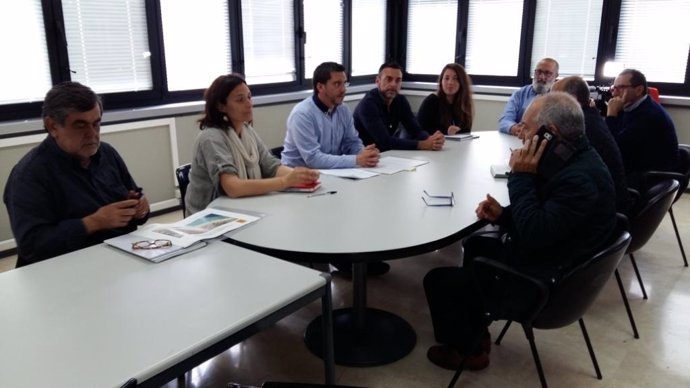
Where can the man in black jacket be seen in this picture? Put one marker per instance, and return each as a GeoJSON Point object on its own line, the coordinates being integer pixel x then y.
{"type": "Point", "coordinates": [381, 112]}
{"type": "Point", "coordinates": [643, 130]}
{"type": "Point", "coordinates": [599, 136]}
{"type": "Point", "coordinates": [560, 213]}
{"type": "Point", "coordinates": [72, 190]}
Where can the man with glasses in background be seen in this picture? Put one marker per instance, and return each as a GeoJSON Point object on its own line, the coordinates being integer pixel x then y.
{"type": "Point", "coordinates": [642, 128]}
{"type": "Point", "coordinates": [545, 75]}
{"type": "Point", "coordinates": [72, 190]}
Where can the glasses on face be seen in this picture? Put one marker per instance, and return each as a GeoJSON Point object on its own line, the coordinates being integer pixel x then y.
{"type": "Point", "coordinates": [545, 73]}
{"type": "Point", "coordinates": [151, 244]}
{"type": "Point", "coordinates": [620, 87]}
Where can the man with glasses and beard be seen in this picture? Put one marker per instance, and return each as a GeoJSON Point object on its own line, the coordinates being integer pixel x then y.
{"type": "Point", "coordinates": [545, 75]}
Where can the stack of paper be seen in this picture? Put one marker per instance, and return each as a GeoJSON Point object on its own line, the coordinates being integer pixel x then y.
{"type": "Point", "coordinates": [387, 165]}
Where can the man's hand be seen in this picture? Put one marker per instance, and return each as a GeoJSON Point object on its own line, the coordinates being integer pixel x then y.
{"type": "Point", "coordinates": [489, 209]}
{"type": "Point", "coordinates": [526, 159]}
{"type": "Point", "coordinates": [114, 215]}
{"type": "Point", "coordinates": [369, 156]}
{"type": "Point", "coordinates": [142, 208]}
{"type": "Point", "coordinates": [614, 106]}
{"type": "Point", "coordinates": [517, 129]}
{"type": "Point", "coordinates": [301, 176]}
{"type": "Point", "coordinates": [433, 143]}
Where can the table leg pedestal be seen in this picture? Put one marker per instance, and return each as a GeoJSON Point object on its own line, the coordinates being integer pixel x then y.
{"type": "Point", "coordinates": [383, 338]}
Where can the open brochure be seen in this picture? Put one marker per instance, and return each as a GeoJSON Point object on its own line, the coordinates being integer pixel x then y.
{"type": "Point", "coordinates": [182, 236]}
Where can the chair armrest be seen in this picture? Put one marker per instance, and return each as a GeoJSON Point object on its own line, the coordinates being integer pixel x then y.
{"type": "Point", "coordinates": [682, 179]}
{"type": "Point", "coordinates": [665, 174]}
{"type": "Point", "coordinates": [635, 199]}
{"type": "Point", "coordinates": [502, 271]}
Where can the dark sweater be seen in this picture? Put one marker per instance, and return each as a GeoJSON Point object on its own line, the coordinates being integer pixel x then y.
{"type": "Point", "coordinates": [646, 137]}
{"type": "Point", "coordinates": [377, 123]}
{"type": "Point", "coordinates": [603, 142]}
{"type": "Point", "coordinates": [552, 223]}
{"type": "Point", "coordinates": [430, 116]}
{"type": "Point", "coordinates": [48, 193]}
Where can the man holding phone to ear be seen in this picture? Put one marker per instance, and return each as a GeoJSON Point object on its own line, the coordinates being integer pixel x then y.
{"type": "Point", "coordinates": [72, 190]}
{"type": "Point", "coordinates": [561, 211]}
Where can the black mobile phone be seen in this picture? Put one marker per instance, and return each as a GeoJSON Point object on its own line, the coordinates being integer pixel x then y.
{"type": "Point", "coordinates": [556, 154]}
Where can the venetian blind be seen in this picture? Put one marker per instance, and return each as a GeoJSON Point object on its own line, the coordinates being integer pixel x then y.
{"type": "Point", "coordinates": [431, 32]}
{"type": "Point", "coordinates": [368, 36]}
{"type": "Point", "coordinates": [323, 23]}
{"type": "Point", "coordinates": [568, 31]}
{"type": "Point", "coordinates": [493, 37]}
{"type": "Point", "coordinates": [654, 37]}
{"type": "Point", "coordinates": [196, 36]}
{"type": "Point", "coordinates": [269, 41]}
{"type": "Point", "coordinates": [25, 68]}
{"type": "Point", "coordinates": [107, 44]}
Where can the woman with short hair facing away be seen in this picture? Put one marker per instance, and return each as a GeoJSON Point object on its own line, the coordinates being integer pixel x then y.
{"type": "Point", "coordinates": [450, 109]}
{"type": "Point", "coordinates": [229, 157]}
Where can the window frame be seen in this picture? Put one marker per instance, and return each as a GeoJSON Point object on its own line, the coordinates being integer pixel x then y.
{"type": "Point", "coordinates": [395, 49]}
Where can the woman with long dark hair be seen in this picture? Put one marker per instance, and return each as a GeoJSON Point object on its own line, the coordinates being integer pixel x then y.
{"type": "Point", "coordinates": [450, 109]}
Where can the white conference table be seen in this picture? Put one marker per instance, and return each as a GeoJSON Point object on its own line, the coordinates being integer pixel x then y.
{"type": "Point", "coordinates": [99, 317]}
{"type": "Point", "coordinates": [378, 218]}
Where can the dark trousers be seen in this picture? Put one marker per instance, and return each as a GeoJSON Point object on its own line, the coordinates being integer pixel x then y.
{"type": "Point", "coordinates": [463, 302]}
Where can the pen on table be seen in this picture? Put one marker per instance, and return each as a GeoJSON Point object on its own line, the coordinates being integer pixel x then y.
{"type": "Point", "coordinates": [320, 194]}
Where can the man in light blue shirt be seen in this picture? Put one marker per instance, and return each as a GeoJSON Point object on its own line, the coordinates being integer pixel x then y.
{"type": "Point", "coordinates": [545, 75]}
{"type": "Point", "coordinates": [320, 129]}
{"type": "Point", "coordinates": [321, 134]}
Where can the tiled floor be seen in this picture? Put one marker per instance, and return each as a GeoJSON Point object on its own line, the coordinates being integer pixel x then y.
{"type": "Point", "coordinates": [660, 358]}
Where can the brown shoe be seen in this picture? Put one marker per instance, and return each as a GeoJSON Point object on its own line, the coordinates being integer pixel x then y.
{"type": "Point", "coordinates": [447, 357]}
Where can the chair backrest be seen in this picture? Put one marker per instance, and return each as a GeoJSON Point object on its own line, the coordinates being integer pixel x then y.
{"type": "Point", "coordinates": [182, 174]}
{"type": "Point", "coordinates": [683, 167]}
{"type": "Point", "coordinates": [571, 296]}
{"type": "Point", "coordinates": [276, 151]}
{"type": "Point", "coordinates": [654, 94]}
{"type": "Point", "coordinates": [655, 204]}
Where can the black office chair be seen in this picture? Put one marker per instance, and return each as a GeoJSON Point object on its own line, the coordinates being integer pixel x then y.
{"type": "Point", "coordinates": [656, 202]}
{"type": "Point", "coordinates": [563, 302]}
{"type": "Point", "coordinates": [182, 174]}
{"type": "Point", "coordinates": [276, 151]}
{"type": "Point", "coordinates": [683, 177]}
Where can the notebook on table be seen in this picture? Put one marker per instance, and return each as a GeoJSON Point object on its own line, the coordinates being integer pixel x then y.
{"type": "Point", "coordinates": [304, 188]}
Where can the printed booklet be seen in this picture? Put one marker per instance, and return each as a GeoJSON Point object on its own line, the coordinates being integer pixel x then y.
{"type": "Point", "coordinates": [158, 242]}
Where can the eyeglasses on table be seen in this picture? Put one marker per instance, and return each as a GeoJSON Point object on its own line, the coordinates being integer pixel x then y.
{"type": "Point", "coordinates": [151, 244]}
{"type": "Point", "coordinates": [438, 200]}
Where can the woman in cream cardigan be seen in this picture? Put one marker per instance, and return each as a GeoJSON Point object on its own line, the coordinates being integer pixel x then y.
{"type": "Point", "coordinates": [229, 157]}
